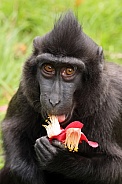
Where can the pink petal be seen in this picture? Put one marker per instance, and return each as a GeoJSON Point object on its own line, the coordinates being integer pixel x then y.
{"type": "Point", "coordinates": [75, 124]}
{"type": "Point", "coordinates": [93, 144]}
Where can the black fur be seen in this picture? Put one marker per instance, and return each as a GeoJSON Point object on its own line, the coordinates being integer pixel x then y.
{"type": "Point", "coordinates": [98, 104]}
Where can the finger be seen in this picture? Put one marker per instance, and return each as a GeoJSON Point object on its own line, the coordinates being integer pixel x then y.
{"type": "Point", "coordinates": [58, 144]}
{"type": "Point", "coordinates": [40, 156]}
{"type": "Point", "coordinates": [42, 148]}
{"type": "Point", "coordinates": [44, 144]}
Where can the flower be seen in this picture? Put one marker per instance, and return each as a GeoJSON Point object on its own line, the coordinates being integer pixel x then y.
{"type": "Point", "coordinates": [53, 127]}
{"type": "Point", "coordinates": [71, 136]}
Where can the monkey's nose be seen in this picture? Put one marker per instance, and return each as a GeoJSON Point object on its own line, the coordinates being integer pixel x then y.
{"type": "Point", "coordinates": [54, 102]}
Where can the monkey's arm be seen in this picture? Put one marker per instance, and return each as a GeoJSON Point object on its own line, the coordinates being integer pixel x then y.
{"type": "Point", "coordinates": [78, 167]}
{"type": "Point", "coordinates": [19, 139]}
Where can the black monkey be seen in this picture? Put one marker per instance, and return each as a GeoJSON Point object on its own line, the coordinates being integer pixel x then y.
{"type": "Point", "coordinates": [67, 76]}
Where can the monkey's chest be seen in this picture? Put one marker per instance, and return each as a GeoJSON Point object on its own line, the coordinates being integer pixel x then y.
{"type": "Point", "coordinates": [59, 178]}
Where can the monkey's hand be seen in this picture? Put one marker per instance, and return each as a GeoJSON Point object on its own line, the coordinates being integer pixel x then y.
{"type": "Point", "coordinates": [48, 152]}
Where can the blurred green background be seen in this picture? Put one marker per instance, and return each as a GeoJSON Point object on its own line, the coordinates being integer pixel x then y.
{"type": "Point", "coordinates": [21, 21]}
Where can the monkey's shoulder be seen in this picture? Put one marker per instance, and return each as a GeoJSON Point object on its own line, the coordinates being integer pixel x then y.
{"type": "Point", "coordinates": [114, 71]}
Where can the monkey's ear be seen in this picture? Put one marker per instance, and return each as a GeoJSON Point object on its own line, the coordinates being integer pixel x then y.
{"type": "Point", "coordinates": [37, 43]}
{"type": "Point", "coordinates": [100, 56]}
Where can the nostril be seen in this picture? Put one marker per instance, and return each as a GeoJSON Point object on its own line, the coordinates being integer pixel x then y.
{"type": "Point", "coordinates": [54, 102]}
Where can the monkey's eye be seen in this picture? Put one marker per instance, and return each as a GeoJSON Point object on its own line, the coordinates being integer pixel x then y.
{"type": "Point", "coordinates": [68, 72]}
{"type": "Point", "coordinates": [48, 69]}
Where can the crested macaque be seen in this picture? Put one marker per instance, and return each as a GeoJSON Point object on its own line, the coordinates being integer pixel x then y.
{"type": "Point", "coordinates": [66, 76]}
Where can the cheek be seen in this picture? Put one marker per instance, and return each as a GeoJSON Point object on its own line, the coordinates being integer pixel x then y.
{"type": "Point", "coordinates": [44, 98]}
{"type": "Point", "coordinates": [68, 100]}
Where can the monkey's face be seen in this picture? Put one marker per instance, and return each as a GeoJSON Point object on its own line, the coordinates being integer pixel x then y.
{"type": "Point", "coordinates": [58, 83]}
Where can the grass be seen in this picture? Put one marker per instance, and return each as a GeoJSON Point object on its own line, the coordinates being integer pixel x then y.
{"type": "Point", "coordinates": [21, 21]}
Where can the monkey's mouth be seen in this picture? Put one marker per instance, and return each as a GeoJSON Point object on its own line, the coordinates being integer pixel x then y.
{"type": "Point", "coordinates": [63, 119]}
